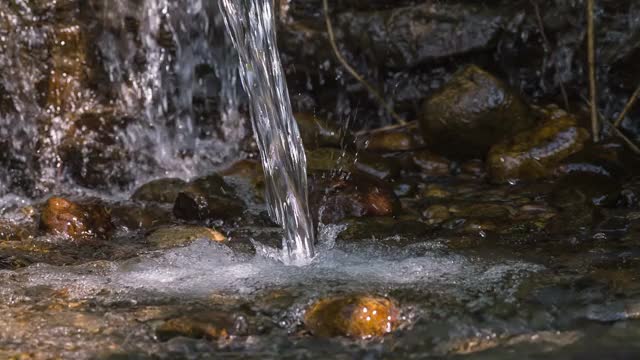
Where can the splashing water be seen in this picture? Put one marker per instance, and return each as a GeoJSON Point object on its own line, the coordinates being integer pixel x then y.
{"type": "Point", "coordinates": [169, 66]}
{"type": "Point", "coordinates": [252, 28]}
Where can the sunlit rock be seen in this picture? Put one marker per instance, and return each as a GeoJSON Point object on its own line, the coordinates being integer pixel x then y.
{"type": "Point", "coordinates": [473, 111]}
{"type": "Point", "coordinates": [535, 153]}
{"type": "Point", "coordinates": [74, 220]}
{"type": "Point", "coordinates": [353, 316]}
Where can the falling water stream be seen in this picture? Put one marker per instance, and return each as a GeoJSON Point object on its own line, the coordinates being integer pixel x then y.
{"type": "Point", "coordinates": [252, 27]}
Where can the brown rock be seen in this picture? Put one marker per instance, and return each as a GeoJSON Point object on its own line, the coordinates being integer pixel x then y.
{"type": "Point", "coordinates": [76, 221]}
{"type": "Point", "coordinates": [175, 236]}
{"type": "Point", "coordinates": [431, 164]}
{"type": "Point", "coordinates": [93, 153]}
{"type": "Point", "coordinates": [316, 132]}
{"type": "Point", "coordinates": [472, 112]}
{"type": "Point", "coordinates": [207, 198]}
{"type": "Point", "coordinates": [535, 153]}
{"type": "Point", "coordinates": [336, 196]}
{"type": "Point", "coordinates": [163, 191]}
{"type": "Point", "coordinates": [353, 316]}
{"type": "Point", "coordinates": [205, 325]}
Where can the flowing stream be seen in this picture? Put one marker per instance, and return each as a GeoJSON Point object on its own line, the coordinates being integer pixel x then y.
{"type": "Point", "coordinates": [252, 27]}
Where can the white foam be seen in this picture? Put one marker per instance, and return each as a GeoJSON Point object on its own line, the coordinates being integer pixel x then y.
{"type": "Point", "coordinates": [204, 268]}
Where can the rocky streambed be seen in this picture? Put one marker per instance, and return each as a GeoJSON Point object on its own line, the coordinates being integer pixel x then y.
{"type": "Point", "coordinates": [488, 227]}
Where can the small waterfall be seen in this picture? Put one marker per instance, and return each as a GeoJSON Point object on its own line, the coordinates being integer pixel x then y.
{"type": "Point", "coordinates": [167, 65]}
{"type": "Point", "coordinates": [251, 24]}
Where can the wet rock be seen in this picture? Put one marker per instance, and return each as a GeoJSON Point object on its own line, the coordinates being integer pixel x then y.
{"type": "Point", "coordinates": [68, 68]}
{"type": "Point", "coordinates": [472, 112]}
{"type": "Point", "coordinates": [535, 153]}
{"type": "Point", "coordinates": [431, 164]}
{"type": "Point", "coordinates": [337, 196]}
{"type": "Point", "coordinates": [10, 231]}
{"type": "Point", "coordinates": [205, 325]}
{"type": "Point", "coordinates": [577, 189]}
{"type": "Point", "coordinates": [175, 236]}
{"type": "Point", "coordinates": [608, 158]}
{"type": "Point", "coordinates": [399, 232]}
{"type": "Point", "coordinates": [134, 217]}
{"type": "Point", "coordinates": [74, 220]}
{"type": "Point", "coordinates": [248, 172]}
{"type": "Point", "coordinates": [328, 159]}
{"type": "Point", "coordinates": [435, 191]}
{"type": "Point", "coordinates": [390, 140]}
{"type": "Point", "coordinates": [353, 316]}
{"type": "Point", "coordinates": [473, 169]}
{"type": "Point", "coordinates": [207, 198]}
{"type": "Point", "coordinates": [164, 191]}
{"type": "Point", "coordinates": [412, 35]}
{"type": "Point", "coordinates": [317, 132]}
{"type": "Point", "coordinates": [436, 214]}
{"type": "Point", "coordinates": [93, 153]}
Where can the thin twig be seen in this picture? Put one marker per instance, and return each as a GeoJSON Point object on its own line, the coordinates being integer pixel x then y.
{"type": "Point", "coordinates": [547, 48]}
{"type": "Point", "coordinates": [622, 136]}
{"type": "Point", "coordinates": [593, 91]}
{"type": "Point", "coordinates": [627, 108]}
{"type": "Point", "coordinates": [352, 71]}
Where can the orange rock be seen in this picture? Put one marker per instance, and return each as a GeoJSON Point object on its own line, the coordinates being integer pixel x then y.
{"type": "Point", "coordinates": [63, 217]}
{"type": "Point", "coordinates": [353, 316]}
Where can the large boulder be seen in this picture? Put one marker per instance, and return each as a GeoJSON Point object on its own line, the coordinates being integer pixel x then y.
{"type": "Point", "coordinates": [472, 112]}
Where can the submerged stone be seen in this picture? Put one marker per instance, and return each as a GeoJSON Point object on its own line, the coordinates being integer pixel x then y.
{"type": "Point", "coordinates": [353, 316]}
{"type": "Point", "coordinates": [170, 237]}
{"type": "Point", "coordinates": [163, 191]}
{"type": "Point", "coordinates": [76, 221]}
{"type": "Point", "coordinates": [204, 325]}
{"type": "Point", "coordinates": [337, 196]}
{"type": "Point", "coordinates": [472, 112]}
{"type": "Point", "coordinates": [535, 153]}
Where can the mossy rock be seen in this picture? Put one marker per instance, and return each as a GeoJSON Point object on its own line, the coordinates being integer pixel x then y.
{"type": "Point", "coordinates": [472, 112]}
{"type": "Point", "coordinates": [535, 153]}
